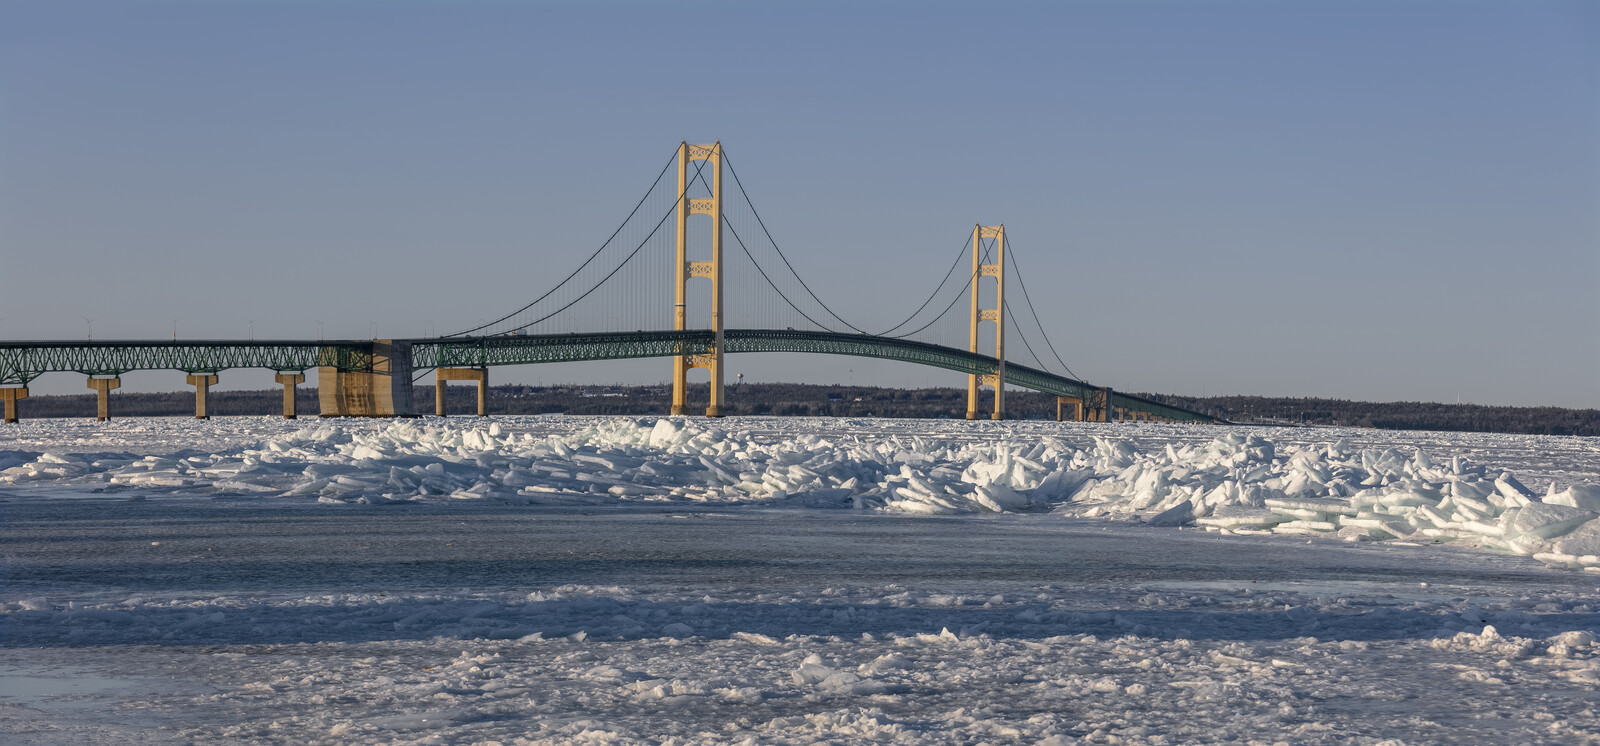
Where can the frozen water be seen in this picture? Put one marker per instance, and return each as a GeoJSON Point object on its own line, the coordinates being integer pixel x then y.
{"type": "Point", "coordinates": [558, 580]}
{"type": "Point", "coordinates": [1347, 484]}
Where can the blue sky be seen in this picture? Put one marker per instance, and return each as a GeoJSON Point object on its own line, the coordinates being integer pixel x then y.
{"type": "Point", "coordinates": [1382, 201]}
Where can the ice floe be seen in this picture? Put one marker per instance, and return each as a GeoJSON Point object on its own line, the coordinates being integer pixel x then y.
{"type": "Point", "coordinates": [1236, 482]}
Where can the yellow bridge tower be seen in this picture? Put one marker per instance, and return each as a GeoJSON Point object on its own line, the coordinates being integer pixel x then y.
{"type": "Point", "coordinates": [997, 270]}
{"type": "Point", "coordinates": [684, 270]}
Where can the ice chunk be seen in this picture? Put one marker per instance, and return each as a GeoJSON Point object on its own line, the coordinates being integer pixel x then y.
{"type": "Point", "coordinates": [1309, 508]}
{"type": "Point", "coordinates": [1579, 639]}
{"type": "Point", "coordinates": [1508, 486]}
{"type": "Point", "coordinates": [1410, 499]}
{"type": "Point", "coordinates": [1585, 496]}
{"type": "Point", "coordinates": [999, 498]}
{"type": "Point", "coordinates": [811, 671]}
{"type": "Point", "coordinates": [1581, 541]}
{"type": "Point", "coordinates": [1391, 526]}
{"type": "Point", "coordinates": [1309, 525]}
{"type": "Point", "coordinates": [887, 662]}
{"type": "Point", "coordinates": [1241, 517]}
{"type": "Point", "coordinates": [1176, 515]}
{"type": "Point", "coordinates": [1544, 521]}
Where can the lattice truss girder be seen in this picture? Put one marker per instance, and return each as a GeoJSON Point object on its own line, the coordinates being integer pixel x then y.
{"type": "Point", "coordinates": [468, 352]}
{"type": "Point", "coordinates": [21, 362]}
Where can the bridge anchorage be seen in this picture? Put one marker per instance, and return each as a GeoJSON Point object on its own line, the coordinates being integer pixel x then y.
{"type": "Point", "coordinates": [640, 278]}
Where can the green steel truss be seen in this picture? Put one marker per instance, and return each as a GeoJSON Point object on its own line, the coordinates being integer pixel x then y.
{"type": "Point", "coordinates": [477, 352]}
{"type": "Point", "coordinates": [21, 362]}
{"type": "Point", "coordinates": [922, 353]}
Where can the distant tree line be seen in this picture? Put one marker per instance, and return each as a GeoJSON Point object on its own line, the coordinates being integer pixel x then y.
{"type": "Point", "coordinates": [1403, 415]}
{"type": "Point", "coordinates": [815, 400]}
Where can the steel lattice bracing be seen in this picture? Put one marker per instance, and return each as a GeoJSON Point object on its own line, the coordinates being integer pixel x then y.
{"type": "Point", "coordinates": [479, 352]}
{"type": "Point", "coordinates": [467, 352]}
{"type": "Point", "coordinates": [21, 362]}
{"type": "Point", "coordinates": [938, 356]}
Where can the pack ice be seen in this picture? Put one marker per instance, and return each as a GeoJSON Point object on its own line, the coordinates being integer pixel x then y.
{"type": "Point", "coordinates": [1237, 483]}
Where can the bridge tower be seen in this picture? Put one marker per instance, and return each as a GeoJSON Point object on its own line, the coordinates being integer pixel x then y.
{"type": "Point", "coordinates": [684, 270]}
{"type": "Point", "coordinates": [997, 270]}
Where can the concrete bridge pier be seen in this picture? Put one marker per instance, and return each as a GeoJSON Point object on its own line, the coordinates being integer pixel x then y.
{"type": "Point", "coordinates": [202, 385]}
{"type": "Point", "coordinates": [481, 375]}
{"type": "Point", "coordinates": [289, 381]}
{"type": "Point", "coordinates": [10, 396]}
{"type": "Point", "coordinates": [1074, 404]}
{"type": "Point", "coordinates": [102, 388]}
{"type": "Point", "coordinates": [384, 391]}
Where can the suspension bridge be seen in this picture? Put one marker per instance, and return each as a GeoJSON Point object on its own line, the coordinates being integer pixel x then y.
{"type": "Point", "coordinates": [696, 275]}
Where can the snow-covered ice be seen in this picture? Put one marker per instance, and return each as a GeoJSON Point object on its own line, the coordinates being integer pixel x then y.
{"type": "Point", "coordinates": [1229, 480]}
{"type": "Point", "coordinates": [558, 580]}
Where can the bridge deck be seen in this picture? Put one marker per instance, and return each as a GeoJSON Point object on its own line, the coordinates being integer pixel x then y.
{"type": "Point", "coordinates": [22, 361]}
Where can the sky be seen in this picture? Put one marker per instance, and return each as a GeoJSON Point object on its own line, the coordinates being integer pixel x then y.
{"type": "Point", "coordinates": [1363, 200]}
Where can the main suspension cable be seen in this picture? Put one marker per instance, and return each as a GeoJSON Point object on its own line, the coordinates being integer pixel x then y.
{"type": "Point", "coordinates": [729, 223]}
{"type": "Point", "coordinates": [1024, 338]}
{"type": "Point", "coordinates": [764, 276]}
{"type": "Point", "coordinates": [936, 289]}
{"type": "Point", "coordinates": [586, 262]}
{"type": "Point", "coordinates": [619, 266]}
{"type": "Point", "coordinates": [971, 284]}
{"type": "Point", "coordinates": [775, 247]}
{"type": "Point", "coordinates": [1024, 285]}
